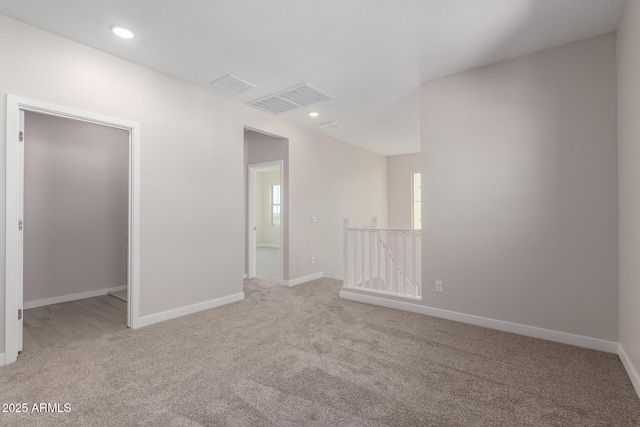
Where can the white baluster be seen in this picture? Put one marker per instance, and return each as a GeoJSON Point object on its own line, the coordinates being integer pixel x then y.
{"type": "Point", "coordinates": [378, 266]}
{"type": "Point", "coordinates": [362, 257]}
{"type": "Point", "coordinates": [402, 264]}
{"type": "Point", "coordinates": [384, 260]}
{"type": "Point", "coordinates": [415, 266]}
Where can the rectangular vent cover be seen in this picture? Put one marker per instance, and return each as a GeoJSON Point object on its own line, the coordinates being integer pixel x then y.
{"type": "Point", "coordinates": [298, 96]}
{"type": "Point", "coordinates": [330, 126]}
{"type": "Point", "coordinates": [233, 85]}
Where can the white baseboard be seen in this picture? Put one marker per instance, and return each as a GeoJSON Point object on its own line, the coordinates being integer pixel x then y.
{"type": "Point", "coordinates": [267, 245]}
{"type": "Point", "coordinates": [190, 309]}
{"type": "Point", "coordinates": [303, 279]}
{"type": "Point", "coordinates": [71, 297]}
{"type": "Point", "coordinates": [516, 328]}
{"type": "Point", "coordinates": [631, 370]}
{"type": "Point", "coordinates": [3, 359]}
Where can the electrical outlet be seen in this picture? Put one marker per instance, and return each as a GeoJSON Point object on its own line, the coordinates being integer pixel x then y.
{"type": "Point", "coordinates": [314, 218]}
{"type": "Point", "coordinates": [313, 260]}
{"type": "Point", "coordinates": [439, 286]}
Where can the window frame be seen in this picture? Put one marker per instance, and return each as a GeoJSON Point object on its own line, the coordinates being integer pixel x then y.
{"type": "Point", "coordinates": [279, 205]}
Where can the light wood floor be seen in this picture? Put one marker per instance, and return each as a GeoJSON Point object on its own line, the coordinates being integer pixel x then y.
{"type": "Point", "coordinates": [59, 324]}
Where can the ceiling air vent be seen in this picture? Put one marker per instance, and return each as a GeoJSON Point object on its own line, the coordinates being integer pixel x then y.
{"type": "Point", "coordinates": [329, 127]}
{"type": "Point", "coordinates": [233, 85]}
{"type": "Point", "coordinates": [298, 96]}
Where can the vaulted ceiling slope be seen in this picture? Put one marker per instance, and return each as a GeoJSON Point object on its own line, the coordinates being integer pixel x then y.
{"type": "Point", "coordinates": [369, 55]}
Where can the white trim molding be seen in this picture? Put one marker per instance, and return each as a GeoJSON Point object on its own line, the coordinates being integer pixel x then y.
{"type": "Point", "coordinates": [71, 297]}
{"type": "Point", "coordinates": [515, 328]}
{"type": "Point", "coordinates": [267, 245]}
{"type": "Point", "coordinates": [3, 360]}
{"type": "Point", "coordinates": [189, 309]}
{"type": "Point", "coordinates": [245, 276]}
{"type": "Point", "coordinates": [631, 370]}
{"type": "Point", "coordinates": [301, 280]}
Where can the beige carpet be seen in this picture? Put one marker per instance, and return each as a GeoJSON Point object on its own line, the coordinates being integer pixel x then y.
{"type": "Point", "coordinates": [302, 357]}
{"type": "Point", "coordinates": [268, 264]}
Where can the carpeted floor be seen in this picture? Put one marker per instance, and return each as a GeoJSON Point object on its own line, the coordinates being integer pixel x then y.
{"type": "Point", "coordinates": [302, 357]}
{"type": "Point", "coordinates": [268, 264]}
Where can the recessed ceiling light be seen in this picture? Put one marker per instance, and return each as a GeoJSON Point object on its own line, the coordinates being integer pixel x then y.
{"type": "Point", "coordinates": [122, 32]}
{"type": "Point", "coordinates": [313, 114]}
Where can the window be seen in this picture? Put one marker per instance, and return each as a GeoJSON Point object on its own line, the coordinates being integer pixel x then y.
{"type": "Point", "coordinates": [416, 201]}
{"type": "Point", "coordinates": [275, 204]}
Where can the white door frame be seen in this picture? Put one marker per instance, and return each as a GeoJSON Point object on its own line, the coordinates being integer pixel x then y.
{"type": "Point", "coordinates": [14, 203]}
{"type": "Point", "coordinates": [251, 229]}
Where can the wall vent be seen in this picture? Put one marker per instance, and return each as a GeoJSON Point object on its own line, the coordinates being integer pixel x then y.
{"type": "Point", "coordinates": [233, 85]}
{"type": "Point", "coordinates": [329, 127]}
{"type": "Point", "coordinates": [298, 96]}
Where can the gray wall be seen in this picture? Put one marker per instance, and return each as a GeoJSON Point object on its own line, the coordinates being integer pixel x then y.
{"type": "Point", "coordinates": [399, 171]}
{"type": "Point", "coordinates": [75, 207]}
{"type": "Point", "coordinates": [192, 204]}
{"type": "Point", "coordinates": [629, 182]}
{"type": "Point", "coordinates": [520, 190]}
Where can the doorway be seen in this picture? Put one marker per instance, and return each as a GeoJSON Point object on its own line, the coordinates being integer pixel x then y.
{"type": "Point", "coordinates": [48, 257]}
{"type": "Point", "coordinates": [265, 220]}
{"type": "Point", "coordinates": [75, 203]}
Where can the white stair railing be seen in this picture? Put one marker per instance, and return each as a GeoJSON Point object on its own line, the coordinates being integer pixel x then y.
{"type": "Point", "coordinates": [383, 261]}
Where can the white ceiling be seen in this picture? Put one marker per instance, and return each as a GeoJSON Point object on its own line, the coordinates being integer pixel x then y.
{"type": "Point", "coordinates": [369, 55]}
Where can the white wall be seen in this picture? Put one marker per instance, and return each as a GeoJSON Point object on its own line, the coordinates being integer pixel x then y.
{"type": "Point", "coordinates": [629, 183]}
{"type": "Point", "coordinates": [331, 181]}
{"type": "Point", "coordinates": [192, 174]}
{"type": "Point", "coordinates": [75, 207]}
{"type": "Point", "coordinates": [399, 172]}
{"type": "Point", "coordinates": [520, 190]}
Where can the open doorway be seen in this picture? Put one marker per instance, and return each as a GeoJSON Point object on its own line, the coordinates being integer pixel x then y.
{"type": "Point", "coordinates": [72, 225]}
{"type": "Point", "coordinates": [266, 160]}
{"type": "Point", "coordinates": [75, 210]}
{"type": "Point", "coordinates": [265, 221]}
